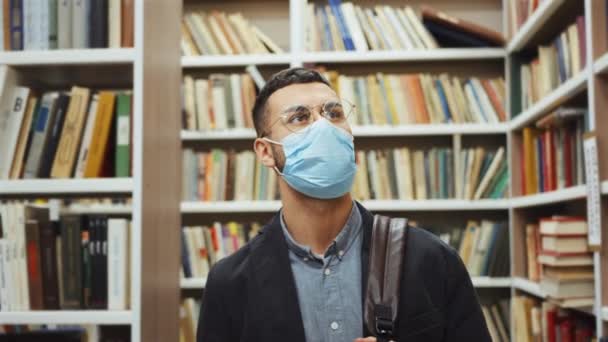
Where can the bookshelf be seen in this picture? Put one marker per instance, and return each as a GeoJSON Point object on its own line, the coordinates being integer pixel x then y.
{"type": "Point", "coordinates": [543, 15]}
{"type": "Point", "coordinates": [151, 68]}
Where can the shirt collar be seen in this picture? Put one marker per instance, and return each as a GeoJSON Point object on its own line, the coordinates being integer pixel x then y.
{"type": "Point", "coordinates": [339, 246]}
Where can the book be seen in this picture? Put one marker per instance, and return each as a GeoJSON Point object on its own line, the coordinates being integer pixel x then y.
{"type": "Point", "coordinates": [491, 38]}
{"type": "Point", "coordinates": [118, 249]}
{"type": "Point", "coordinates": [123, 132]}
{"type": "Point", "coordinates": [10, 126]}
{"type": "Point", "coordinates": [563, 225]}
{"type": "Point", "coordinates": [564, 244]}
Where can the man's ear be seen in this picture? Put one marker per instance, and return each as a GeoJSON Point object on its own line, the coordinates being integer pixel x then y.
{"type": "Point", "coordinates": [263, 150]}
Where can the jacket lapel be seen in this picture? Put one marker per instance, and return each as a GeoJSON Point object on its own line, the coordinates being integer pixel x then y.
{"type": "Point", "coordinates": [276, 298]}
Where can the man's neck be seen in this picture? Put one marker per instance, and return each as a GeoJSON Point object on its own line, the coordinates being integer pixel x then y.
{"type": "Point", "coordinates": [314, 222]}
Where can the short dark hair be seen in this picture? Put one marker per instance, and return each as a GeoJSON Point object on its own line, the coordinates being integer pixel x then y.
{"type": "Point", "coordinates": [280, 80]}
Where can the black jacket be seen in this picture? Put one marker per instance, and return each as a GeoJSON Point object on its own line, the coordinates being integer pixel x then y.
{"type": "Point", "coordinates": [251, 295]}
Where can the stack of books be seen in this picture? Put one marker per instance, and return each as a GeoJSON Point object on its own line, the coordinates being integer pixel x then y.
{"type": "Point", "coordinates": [222, 101]}
{"type": "Point", "coordinates": [188, 319]}
{"type": "Point", "coordinates": [219, 33]}
{"type": "Point", "coordinates": [482, 246]}
{"type": "Point", "coordinates": [543, 321]}
{"type": "Point", "coordinates": [58, 134]}
{"type": "Point", "coordinates": [400, 99]}
{"type": "Point", "coordinates": [342, 26]}
{"type": "Point", "coordinates": [77, 24]}
{"type": "Point", "coordinates": [497, 316]}
{"type": "Point", "coordinates": [203, 246]}
{"type": "Point", "coordinates": [552, 152]}
{"type": "Point", "coordinates": [78, 262]}
{"type": "Point", "coordinates": [555, 64]}
{"type": "Point", "coordinates": [438, 173]}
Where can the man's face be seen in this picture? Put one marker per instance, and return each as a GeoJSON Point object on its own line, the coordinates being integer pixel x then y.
{"type": "Point", "coordinates": [284, 100]}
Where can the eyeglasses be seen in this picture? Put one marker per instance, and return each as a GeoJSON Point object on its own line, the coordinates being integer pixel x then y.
{"type": "Point", "coordinates": [298, 118]}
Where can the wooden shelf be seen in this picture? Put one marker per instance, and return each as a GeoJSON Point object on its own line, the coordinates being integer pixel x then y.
{"type": "Point", "coordinates": [193, 283]}
{"type": "Point", "coordinates": [193, 207]}
{"type": "Point", "coordinates": [533, 24]}
{"type": "Point", "coordinates": [601, 65]}
{"type": "Point", "coordinates": [66, 186]}
{"type": "Point", "coordinates": [565, 91]}
{"type": "Point", "coordinates": [404, 55]}
{"type": "Point", "coordinates": [68, 57]}
{"type": "Point", "coordinates": [362, 131]}
{"type": "Point", "coordinates": [528, 286]}
{"type": "Point", "coordinates": [102, 317]}
{"type": "Point", "coordinates": [235, 60]}
{"type": "Point", "coordinates": [562, 195]}
{"type": "Point", "coordinates": [487, 282]}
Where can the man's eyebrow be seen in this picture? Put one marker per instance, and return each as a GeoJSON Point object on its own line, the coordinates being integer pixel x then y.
{"type": "Point", "coordinates": [294, 108]}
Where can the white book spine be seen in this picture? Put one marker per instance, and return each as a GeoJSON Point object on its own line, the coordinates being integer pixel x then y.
{"type": "Point", "coordinates": [114, 22]}
{"type": "Point", "coordinates": [237, 101]}
{"type": "Point", "coordinates": [4, 269]}
{"type": "Point", "coordinates": [86, 138]}
{"type": "Point", "coordinates": [410, 30]}
{"type": "Point", "coordinates": [43, 17]}
{"type": "Point", "coordinates": [491, 173]}
{"type": "Point", "coordinates": [201, 89]}
{"type": "Point", "coordinates": [10, 133]}
{"type": "Point", "coordinates": [118, 231]}
{"type": "Point", "coordinates": [64, 24]}
{"type": "Point", "coordinates": [475, 109]}
{"type": "Point", "coordinates": [79, 24]}
{"type": "Point", "coordinates": [356, 33]}
{"type": "Point", "coordinates": [401, 33]}
{"type": "Point", "coordinates": [219, 107]}
{"type": "Point", "coordinates": [485, 101]}
{"type": "Point", "coordinates": [426, 37]}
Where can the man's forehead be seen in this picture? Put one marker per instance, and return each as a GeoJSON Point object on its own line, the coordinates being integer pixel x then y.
{"type": "Point", "coordinates": [310, 94]}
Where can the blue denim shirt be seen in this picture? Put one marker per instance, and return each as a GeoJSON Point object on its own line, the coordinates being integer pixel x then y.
{"type": "Point", "coordinates": [329, 285]}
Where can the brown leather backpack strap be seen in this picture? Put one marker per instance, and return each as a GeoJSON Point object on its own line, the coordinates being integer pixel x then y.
{"type": "Point", "coordinates": [387, 254]}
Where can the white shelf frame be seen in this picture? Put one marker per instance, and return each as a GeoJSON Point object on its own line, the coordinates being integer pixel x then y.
{"type": "Point", "coordinates": [66, 186]}
{"type": "Point", "coordinates": [572, 87]}
{"type": "Point", "coordinates": [529, 287]}
{"type": "Point", "coordinates": [104, 209]}
{"type": "Point", "coordinates": [534, 22]}
{"type": "Point", "coordinates": [213, 61]}
{"type": "Point", "coordinates": [101, 317]}
{"type": "Point", "coordinates": [362, 131]}
{"type": "Point", "coordinates": [68, 57]}
{"type": "Point", "coordinates": [550, 197]}
{"type": "Point", "coordinates": [442, 54]}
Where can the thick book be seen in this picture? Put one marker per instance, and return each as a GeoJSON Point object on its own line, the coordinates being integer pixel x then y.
{"type": "Point", "coordinates": [118, 263]}
{"type": "Point", "coordinates": [58, 115]}
{"type": "Point", "coordinates": [127, 23]}
{"type": "Point", "coordinates": [101, 134]}
{"type": "Point", "coordinates": [80, 24]}
{"type": "Point", "coordinates": [65, 157]}
{"type": "Point", "coordinates": [41, 127]}
{"type": "Point", "coordinates": [24, 137]}
{"type": "Point", "coordinates": [32, 245]}
{"type": "Point", "coordinates": [50, 273]}
{"type": "Point", "coordinates": [123, 130]}
{"type": "Point", "coordinates": [72, 262]}
{"type": "Point", "coordinates": [98, 23]}
{"type": "Point", "coordinates": [446, 37]}
{"type": "Point", "coordinates": [563, 225]}
{"type": "Point", "coordinates": [64, 24]}
{"type": "Point", "coordinates": [492, 38]}
{"type": "Point", "coordinates": [16, 25]}
{"type": "Point", "coordinates": [10, 125]}
{"type": "Point", "coordinates": [343, 28]}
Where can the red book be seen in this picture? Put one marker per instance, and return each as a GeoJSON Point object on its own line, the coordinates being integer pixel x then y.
{"type": "Point", "coordinates": [32, 243]}
{"type": "Point", "coordinates": [580, 24]}
{"type": "Point", "coordinates": [550, 160]}
{"type": "Point", "coordinates": [494, 99]}
{"type": "Point", "coordinates": [566, 328]}
{"type": "Point", "coordinates": [551, 322]}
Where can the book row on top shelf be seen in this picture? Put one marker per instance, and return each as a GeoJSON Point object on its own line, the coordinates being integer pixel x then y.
{"type": "Point", "coordinates": [65, 24]}
{"type": "Point", "coordinates": [329, 26]}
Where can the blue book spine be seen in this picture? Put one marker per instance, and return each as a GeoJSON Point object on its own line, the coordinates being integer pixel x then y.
{"type": "Point", "coordinates": [346, 37]}
{"type": "Point", "coordinates": [185, 257]}
{"type": "Point", "coordinates": [16, 24]}
{"type": "Point", "coordinates": [330, 43]}
{"type": "Point", "coordinates": [387, 108]}
{"type": "Point", "coordinates": [561, 61]}
{"type": "Point", "coordinates": [444, 101]}
{"type": "Point", "coordinates": [493, 242]}
{"type": "Point", "coordinates": [477, 101]}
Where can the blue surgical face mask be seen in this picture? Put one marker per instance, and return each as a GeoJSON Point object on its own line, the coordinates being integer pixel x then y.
{"type": "Point", "coordinates": [319, 163]}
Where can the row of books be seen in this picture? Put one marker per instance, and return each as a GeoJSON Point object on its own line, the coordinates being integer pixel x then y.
{"type": "Point", "coordinates": [520, 11]}
{"type": "Point", "coordinates": [398, 99]}
{"type": "Point", "coordinates": [225, 175]}
{"type": "Point", "coordinates": [222, 101]}
{"type": "Point", "coordinates": [536, 320]}
{"type": "Point", "coordinates": [557, 255]}
{"type": "Point", "coordinates": [437, 173]}
{"type": "Point", "coordinates": [220, 33]}
{"type": "Point", "coordinates": [482, 246]}
{"type": "Point", "coordinates": [203, 246]}
{"type": "Point", "coordinates": [65, 333]}
{"type": "Point", "coordinates": [497, 315]}
{"type": "Point", "coordinates": [188, 319]}
{"type": "Point", "coordinates": [343, 26]}
{"type": "Point", "coordinates": [80, 133]}
{"type": "Point", "coordinates": [76, 262]}
{"type": "Point", "coordinates": [552, 152]}
{"type": "Point", "coordinates": [555, 64]}
{"type": "Point", "coordinates": [66, 24]}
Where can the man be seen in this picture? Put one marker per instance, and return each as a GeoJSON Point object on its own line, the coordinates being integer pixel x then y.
{"type": "Point", "coordinates": [303, 277]}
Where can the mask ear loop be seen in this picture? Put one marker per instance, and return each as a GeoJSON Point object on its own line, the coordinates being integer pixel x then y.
{"type": "Point", "coordinates": [276, 143]}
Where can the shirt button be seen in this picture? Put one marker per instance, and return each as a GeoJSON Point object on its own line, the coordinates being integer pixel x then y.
{"type": "Point", "coordinates": [305, 259]}
{"type": "Point", "coordinates": [334, 326]}
{"type": "Point", "coordinates": [341, 253]}
{"type": "Point", "coordinates": [327, 271]}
